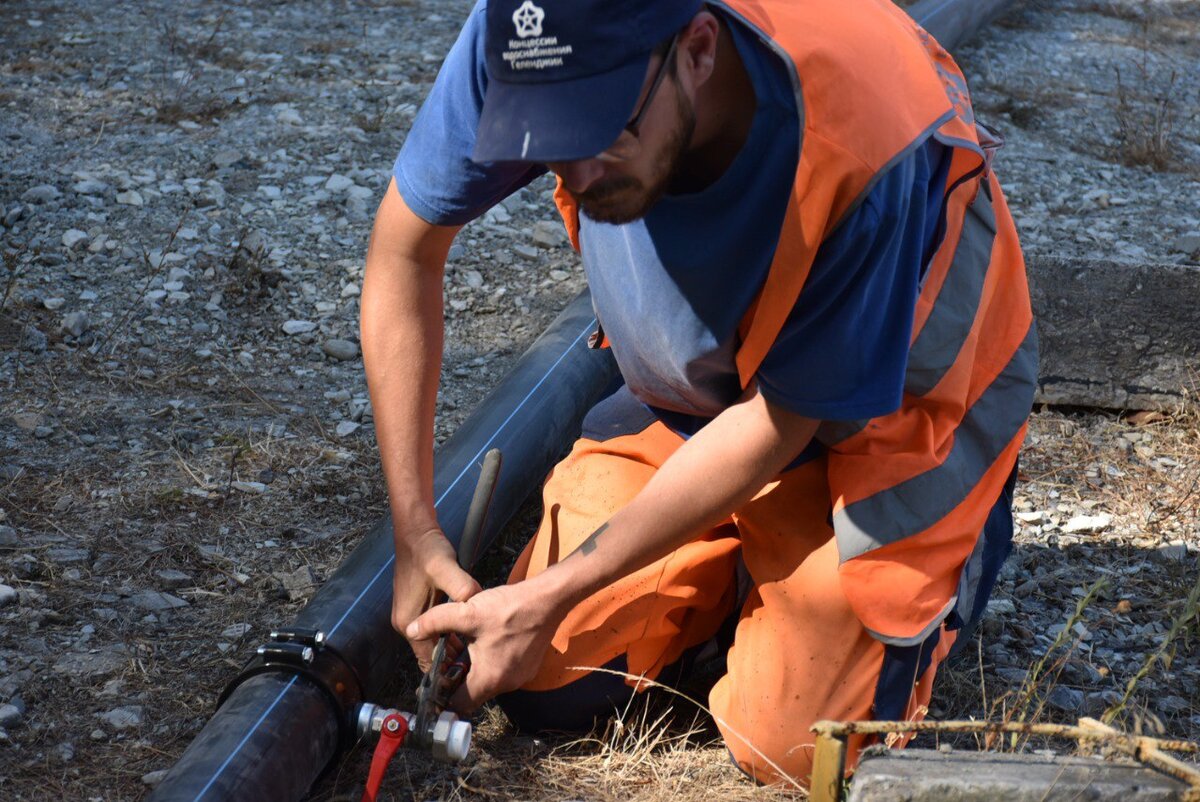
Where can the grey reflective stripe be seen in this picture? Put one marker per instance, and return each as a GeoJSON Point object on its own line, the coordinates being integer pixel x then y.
{"type": "Point", "coordinates": [920, 637]}
{"type": "Point", "coordinates": [959, 142]}
{"type": "Point", "coordinates": [832, 432]}
{"type": "Point", "coordinates": [916, 504]}
{"type": "Point", "coordinates": [949, 324]}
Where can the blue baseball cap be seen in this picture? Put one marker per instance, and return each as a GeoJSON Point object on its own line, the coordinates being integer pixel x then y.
{"type": "Point", "coordinates": [564, 75]}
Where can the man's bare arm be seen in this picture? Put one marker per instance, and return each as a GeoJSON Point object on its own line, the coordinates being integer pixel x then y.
{"type": "Point", "coordinates": [401, 333]}
{"type": "Point", "coordinates": [714, 473]}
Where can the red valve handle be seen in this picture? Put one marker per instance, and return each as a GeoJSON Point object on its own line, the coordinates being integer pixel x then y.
{"type": "Point", "coordinates": [391, 738]}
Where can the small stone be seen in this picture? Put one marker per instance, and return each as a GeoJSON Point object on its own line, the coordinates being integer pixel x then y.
{"type": "Point", "coordinates": [33, 340]}
{"type": "Point", "coordinates": [298, 584]}
{"type": "Point", "coordinates": [9, 715]}
{"type": "Point", "coordinates": [1068, 700]}
{"type": "Point", "coordinates": [123, 718]}
{"type": "Point", "coordinates": [473, 279]}
{"type": "Point", "coordinates": [8, 596]}
{"type": "Point", "coordinates": [130, 197]}
{"type": "Point", "coordinates": [344, 350]}
{"type": "Point", "coordinates": [42, 193]}
{"type": "Point", "coordinates": [547, 234]}
{"type": "Point", "coordinates": [235, 631]}
{"type": "Point", "coordinates": [525, 252]}
{"type": "Point", "coordinates": [42, 432]}
{"type": "Point", "coordinates": [153, 778]}
{"type": "Point", "coordinates": [1189, 243]}
{"type": "Point", "coordinates": [1176, 550]}
{"type": "Point", "coordinates": [226, 158]}
{"type": "Point", "coordinates": [294, 327]}
{"type": "Point", "coordinates": [76, 323]}
{"type": "Point", "coordinates": [8, 535]}
{"type": "Point", "coordinates": [289, 116]}
{"type": "Point", "coordinates": [1083, 524]}
{"type": "Point", "coordinates": [253, 488]}
{"type": "Point", "coordinates": [1001, 607]}
{"type": "Point", "coordinates": [89, 186]}
{"type": "Point", "coordinates": [65, 555]}
{"type": "Point", "coordinates": [72, 237]}
{"type": "Point", "coordinates": [154, 296]}
{"type": "Point", "coordinates": [338, 183]}
{"type": "Point", "coordinates": [559, 275]}
{"type": "Point", "coordinates": [27, 421]}
{"type": "Point", "coordinates": [85, 664]}
{"type": "Point", "coordinates": [1035, 517]}
{"type": "Point", "coordinates": [270, 192]}
{"type": "Point", "coordinates": [361, 193]}
{"type": "Point", "coordinates": [54, 304]}
{"type": "Point", "coordinates": [347, 428]}
{"type": "Point", "coordinates": [157, 601]}
{"type": "Point", "coordinates": [173, 578]}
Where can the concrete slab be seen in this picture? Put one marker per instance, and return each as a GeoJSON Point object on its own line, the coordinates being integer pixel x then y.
{"type": "Point", "coordinates": [1116, 335]}
{"type": "Point", "coordinates": [922, 775]}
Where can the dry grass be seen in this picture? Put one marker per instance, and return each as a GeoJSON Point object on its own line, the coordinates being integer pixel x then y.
{"type": "Point", "coordinates": [1148, 106]}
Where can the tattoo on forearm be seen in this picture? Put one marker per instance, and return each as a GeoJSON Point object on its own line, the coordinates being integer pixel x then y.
{"type": "Point", "coordinates": [589, 545]}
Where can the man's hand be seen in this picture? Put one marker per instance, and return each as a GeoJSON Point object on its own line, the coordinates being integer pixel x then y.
{"type": "Point", "coordinates": [425, 564]}
{"type": "Point", "coordinates": [508, 629]}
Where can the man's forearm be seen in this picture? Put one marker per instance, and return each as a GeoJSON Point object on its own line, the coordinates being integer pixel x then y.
{"type": "Point", "coordinates": [401, 332]}
{"type": "Point", "coordinates": [717, 471]}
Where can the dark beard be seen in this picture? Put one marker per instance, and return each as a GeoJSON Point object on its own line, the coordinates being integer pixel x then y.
{"type": "Point", "coordinates": [598, 201]}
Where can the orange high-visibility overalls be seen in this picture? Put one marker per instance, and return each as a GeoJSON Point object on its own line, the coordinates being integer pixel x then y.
{"type": "Point", "coordinates": [863, 553]}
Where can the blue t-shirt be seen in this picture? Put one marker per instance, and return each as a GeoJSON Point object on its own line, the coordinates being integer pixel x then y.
{"type": "Point", "coordinates": [671, 288]}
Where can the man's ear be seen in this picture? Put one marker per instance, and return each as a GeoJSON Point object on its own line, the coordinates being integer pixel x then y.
{"type": "Point", "coordinates": [697, 50]}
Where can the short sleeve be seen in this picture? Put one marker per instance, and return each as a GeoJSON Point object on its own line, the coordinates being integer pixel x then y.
{"type": "Point", "coordinates": [434, 172]}
{"type": "Point", "coordinates": [843, 351]}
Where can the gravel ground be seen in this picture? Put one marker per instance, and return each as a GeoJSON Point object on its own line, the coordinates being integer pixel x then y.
{"type": "Point", "coordinates": [186, 447]}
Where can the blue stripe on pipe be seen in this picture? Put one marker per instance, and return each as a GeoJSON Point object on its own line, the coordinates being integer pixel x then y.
{"type": "Point", "coordinates": [245, 738]}
{"type": "Point", "coordinates": [388, 564]}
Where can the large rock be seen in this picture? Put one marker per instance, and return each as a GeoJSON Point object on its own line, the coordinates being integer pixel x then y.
{"type": "Point", "coordinates": [1119, 336]}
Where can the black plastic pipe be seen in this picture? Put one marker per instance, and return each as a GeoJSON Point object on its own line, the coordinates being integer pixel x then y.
{"type": "Point", "coordinates": [276, 732]}
{"type": "Point", "coordinates": [953, 22]}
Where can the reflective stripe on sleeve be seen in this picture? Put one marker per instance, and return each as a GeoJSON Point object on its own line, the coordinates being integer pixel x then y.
{"type": "Point", "coordinates": [916, 504]}
{"type": "Point", "coordinates": [949, 324]}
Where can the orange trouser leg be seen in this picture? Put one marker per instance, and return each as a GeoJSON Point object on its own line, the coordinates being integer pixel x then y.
{"type": "Point", "coordinates": [650, 616]}
{"type": "Point", "coordinates": [800, 654]}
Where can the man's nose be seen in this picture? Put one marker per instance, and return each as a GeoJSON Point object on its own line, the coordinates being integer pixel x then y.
{"type": "Point", "coordinates": [577, 176]}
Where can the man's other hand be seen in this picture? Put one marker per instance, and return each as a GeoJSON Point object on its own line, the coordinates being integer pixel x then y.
{"type": "Point", "coordinates": [508, 629]}
{"type": "Point", "coordinates": [425, 564]}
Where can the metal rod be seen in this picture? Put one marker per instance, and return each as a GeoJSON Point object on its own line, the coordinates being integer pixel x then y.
{"type": "Point", "coordinates": [468, 546]}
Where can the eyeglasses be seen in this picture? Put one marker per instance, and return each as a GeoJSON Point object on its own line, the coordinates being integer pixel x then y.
{"type": "Point", "coordinates": [627, 147]}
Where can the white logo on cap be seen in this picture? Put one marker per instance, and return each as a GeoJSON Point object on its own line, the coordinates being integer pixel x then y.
{"type": "Point", "coordinates": [528, 19]}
